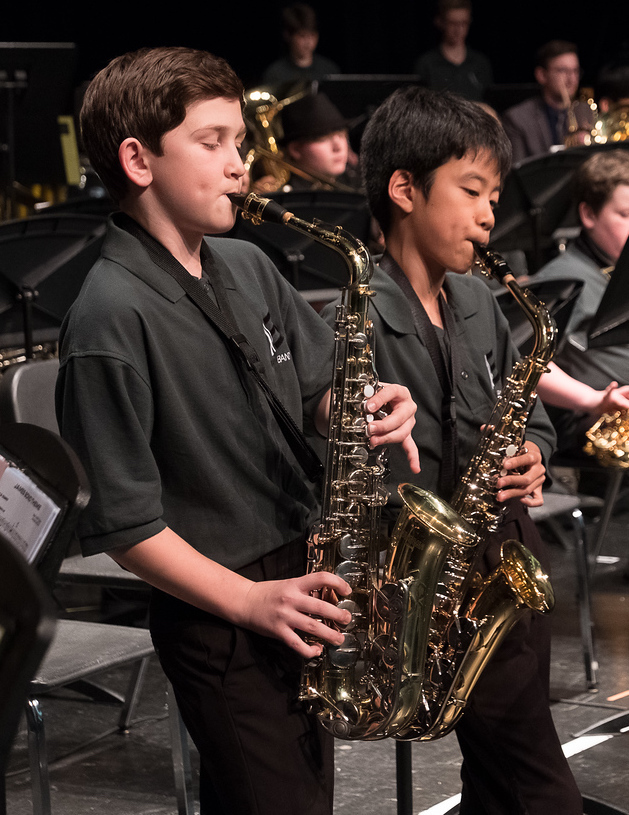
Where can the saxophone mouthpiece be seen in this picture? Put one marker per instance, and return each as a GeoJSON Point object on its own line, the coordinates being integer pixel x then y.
{"type": "Point", "coordinates": [491, 263]}
{"type": "Point", "coordinates": [258, 209]}
{"type": "Point", "coordinates": [237, 198]}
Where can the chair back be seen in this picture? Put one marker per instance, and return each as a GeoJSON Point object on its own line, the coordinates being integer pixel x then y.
{"type": "Point", "coordinates": [43, 489]}
{"type": "Point", "coordinates": [27, 393]}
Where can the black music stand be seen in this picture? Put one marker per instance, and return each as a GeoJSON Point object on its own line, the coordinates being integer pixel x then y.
{"type": "Point", "coordinates": [358, 95]}
{"type": "Point", "coordinates": [43, 262]}
{"type": "Point", "coordinates": [538, 199]}
{"type": "Point", "coordinates": [610, 324]}
{"type": "Point", "coordinates": [36, 85]}
{"type": "Point", "coordinates": [304, 262]}
{"type": "Point", "coordinates": [559, 297]}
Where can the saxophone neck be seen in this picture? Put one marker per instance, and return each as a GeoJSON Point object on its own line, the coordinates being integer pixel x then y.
{"type": "Point", "coordinates": [493, 265]}
{"type": "Point", "coordinates": [355, 254]}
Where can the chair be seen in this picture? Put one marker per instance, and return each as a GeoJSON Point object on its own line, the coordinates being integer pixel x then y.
{"type": "Point", "coordinates": [48, 470]}
{"type": "Point", "coordinates": [27, 622]}
{"type": "Point", "coordinates": [557, 504]}
{"type": "Point", "coordinates": [27, 395]}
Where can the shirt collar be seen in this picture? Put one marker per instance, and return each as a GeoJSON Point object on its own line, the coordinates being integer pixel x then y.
{"type": "Point", "coordinates": [392, 305]}
{"type": "Point", "coordinates": [129, 244]}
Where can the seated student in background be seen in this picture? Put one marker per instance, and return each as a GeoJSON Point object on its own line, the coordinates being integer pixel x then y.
{"type": "Point", "coordinates": [302, 63]}
{"type": "Point", "coordinates": [433, 167]}
{"type": "Point", "coordinates": [535, 125]}
{"type": "Point", "coordinates": [315, 142]}
{"type": "Point", "coordinates": [602, 196]}
{"type": "Point", "coordinates": [452, 65]}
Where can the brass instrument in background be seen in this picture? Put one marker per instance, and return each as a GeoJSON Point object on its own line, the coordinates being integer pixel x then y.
{"type": "Point", "coordinates": [424, 626]}
{"type": "Point", "coordinates": [606, 128]}
{"type": "Point", "coordinates": [608, 439]}
{"type": "Point", "coordinates": [265, 159]}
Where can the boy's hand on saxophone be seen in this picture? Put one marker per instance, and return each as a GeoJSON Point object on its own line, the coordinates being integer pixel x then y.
{"type": "Point", "coordinates": [523, 476]}
{"type": "Point", "coordinates": [394, 419]}
{"type": "Point", "coordinates": [284, 608]}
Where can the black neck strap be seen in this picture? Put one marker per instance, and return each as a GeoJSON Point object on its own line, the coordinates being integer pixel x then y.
{"type": "Point", "coordinates": [444, 357]}
{"type": "Point", "coordinates": [223, 319]}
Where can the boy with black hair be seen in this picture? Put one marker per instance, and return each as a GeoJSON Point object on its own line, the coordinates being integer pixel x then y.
{"type": "Point", "coordinates": [433, 166]}
{"type": "Point", "coordinates": [194, 486]}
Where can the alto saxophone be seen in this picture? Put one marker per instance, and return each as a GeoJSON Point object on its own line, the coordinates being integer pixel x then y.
{"type": "Point", "coordinates": [369, 686]}
{"type": "Point", "coordinates": [471, 616]}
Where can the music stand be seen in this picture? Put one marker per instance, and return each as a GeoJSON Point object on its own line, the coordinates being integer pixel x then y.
{"type": "Point", "coordinates": [43, 262]}
{"type": "Point", "coordinates": [358, 95]}
{"type": "Point", "coordinates": [559, 297]}
{"type": "Point", "coordinates": [610, 324]}
{"type": "Point", "coordinates": [36, 84]}
{"type": "Point", "coordinates": [304, 262]}
{"type": "Point", "coordinates": [537, 199]}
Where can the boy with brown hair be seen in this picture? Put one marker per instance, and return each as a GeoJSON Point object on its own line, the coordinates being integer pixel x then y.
{"type": "Point", "coordinates": [433, 165]}
{"type": "Point", "coordinates": [194, 486]}
{"type": "Point", "coordinates": [601, 193]}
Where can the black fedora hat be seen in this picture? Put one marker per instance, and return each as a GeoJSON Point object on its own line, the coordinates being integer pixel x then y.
{"type": "Point", "coordinates": [311, 118]}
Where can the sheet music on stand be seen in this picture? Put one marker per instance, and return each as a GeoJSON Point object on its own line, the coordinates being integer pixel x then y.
{"type": "Point", "coordinates": [27, 511]}
{"type": "Point", "coordinates": [610, 324]}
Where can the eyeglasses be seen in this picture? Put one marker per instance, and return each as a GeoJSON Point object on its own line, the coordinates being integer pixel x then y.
{"type": "Point", "coordinates": [566, 71]}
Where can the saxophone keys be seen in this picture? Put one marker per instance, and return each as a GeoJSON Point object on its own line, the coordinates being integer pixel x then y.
{"type": "Point", "coordinates": [346, 654]}
{"type": "Point", "coordinates": [352, 572]}
{"type": "Point", "coordinates": [354, 610]}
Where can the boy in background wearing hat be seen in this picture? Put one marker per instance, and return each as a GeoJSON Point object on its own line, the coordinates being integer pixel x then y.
{"type": "Point", "coordinates": [315, 144]}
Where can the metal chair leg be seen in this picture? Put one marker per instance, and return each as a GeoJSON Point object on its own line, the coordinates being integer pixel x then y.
{"type": "Point", "coordinates": [181, 756]}
{"type": "Point", "coordinates": [611, 494]}
{"type": "Point", "coordinates": [132, 696]}
{"type": "Point", "coordinates": [583, 599]}
{"type": "Point", "coordinates": [38, 758]}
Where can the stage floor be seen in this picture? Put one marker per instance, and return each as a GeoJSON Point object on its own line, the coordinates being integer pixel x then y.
{"type": "Point", "coordinates": [95, 769]}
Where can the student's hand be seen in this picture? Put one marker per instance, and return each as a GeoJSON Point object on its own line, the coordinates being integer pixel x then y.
{"type": "Point", "coordinates": [612, 399]}
{"type": "Point", "coordinates": [397, 421]}
{"type": "Point", "coordinates": [283, 608]}
{"type": "Point", "coordinates": [524, 476]}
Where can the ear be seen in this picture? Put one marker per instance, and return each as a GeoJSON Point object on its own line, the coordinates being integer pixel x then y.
{"type": "Point", "coordinates": [587, 216]}
{"type": "Point", "coordinates": [401, 190]}
{"type": "Point", "coordinates": [540, 75]}
{"type": "Point", "coordinates": [294, 150]}
{"type": "Point", "coordinates": [134, 160]}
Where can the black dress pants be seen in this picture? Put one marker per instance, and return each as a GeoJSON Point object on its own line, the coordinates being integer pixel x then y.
{"type": "Point", "coordinates": [513, 763]}
{"type": "Point", "coordinates": [236, 690]}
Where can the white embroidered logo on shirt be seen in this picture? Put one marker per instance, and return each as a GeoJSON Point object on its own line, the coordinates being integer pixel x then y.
{"type": "Point", "coordinates": [276, 340]}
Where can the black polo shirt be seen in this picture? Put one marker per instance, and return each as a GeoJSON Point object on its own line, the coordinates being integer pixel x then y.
{"type": "Point", "coordinates": [171, 431]}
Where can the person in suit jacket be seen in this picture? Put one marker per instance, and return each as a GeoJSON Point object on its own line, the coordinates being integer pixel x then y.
{"type": "Point", "coordinates": [535, 125]}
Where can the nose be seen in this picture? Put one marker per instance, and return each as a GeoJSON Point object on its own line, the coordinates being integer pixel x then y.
{"type": "Point", "coordinates": [486, 216]}
{"type": "Point", "coordinates": [235, 166]}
